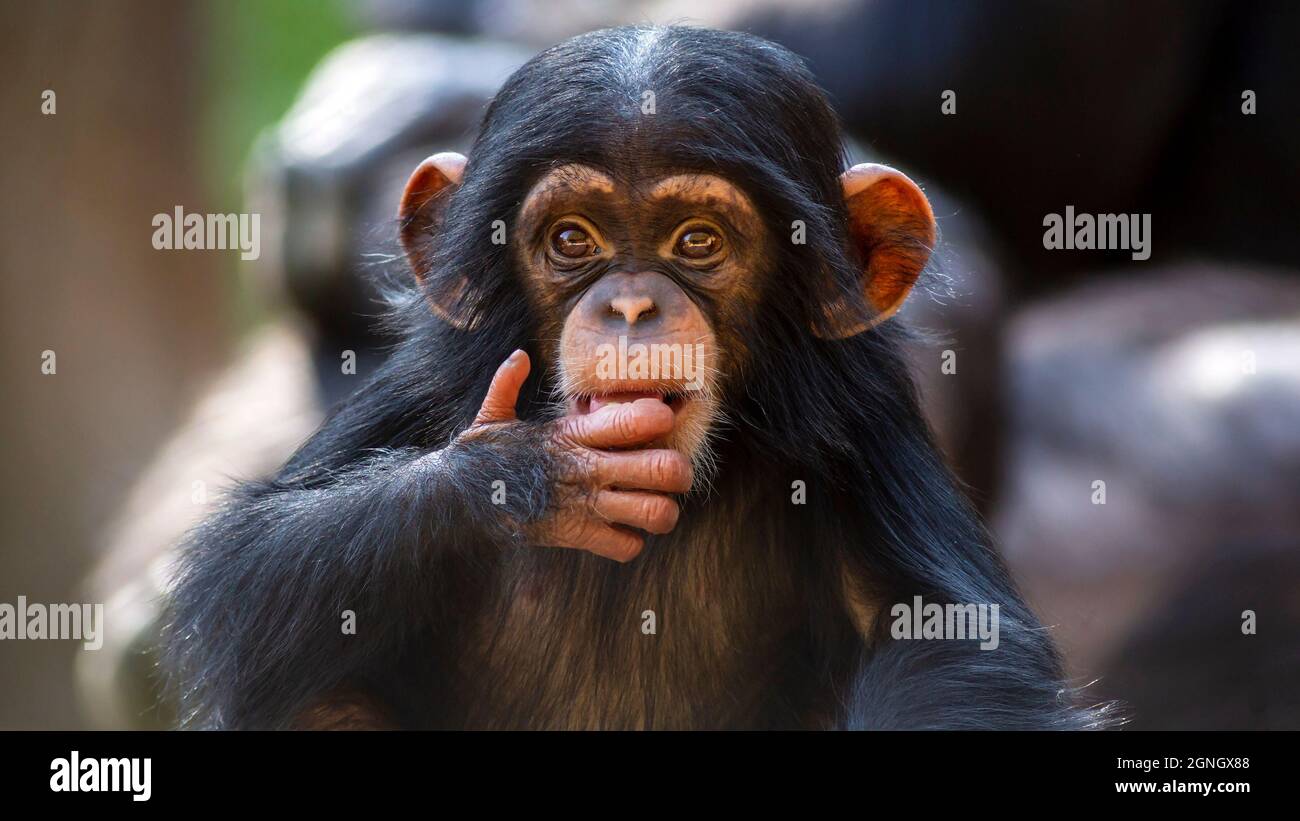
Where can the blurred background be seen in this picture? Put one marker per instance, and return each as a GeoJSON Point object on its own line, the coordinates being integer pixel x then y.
{"type": "Point", "coordinates": [1174, 381]}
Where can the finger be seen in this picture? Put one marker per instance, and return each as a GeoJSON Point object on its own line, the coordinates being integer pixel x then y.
{"type": "Point", "coordinates": [601, 538]}
{"type": "Point", "coordinates": [651, 512]}
{"type": "Point", "coordinates": [618, 426]}
{"type": "Point", "coordinates": [614, 543]}
{"type": "Point", "coordinates": [503, 393]}
{"type": "Point", "coordinates": [666, 471]}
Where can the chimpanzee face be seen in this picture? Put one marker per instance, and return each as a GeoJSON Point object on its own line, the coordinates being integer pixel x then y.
{"type": "Point", "coordinates": [638, 286]}
{"type": "Point", "coordinates": [637, 283]}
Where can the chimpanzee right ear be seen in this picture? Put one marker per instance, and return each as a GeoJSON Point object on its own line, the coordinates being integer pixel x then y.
{"type": "Point", "coordinates": [420, 216]}
{"type": "Point", "coordinates": [892, 231]}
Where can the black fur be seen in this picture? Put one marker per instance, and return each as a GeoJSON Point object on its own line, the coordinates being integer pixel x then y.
{"type": "Point", "coordinates": [379, 515]}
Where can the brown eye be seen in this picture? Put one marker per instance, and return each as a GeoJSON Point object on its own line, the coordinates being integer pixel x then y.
{"type": "Point", "coordinates": [699, 243]}
{"type": "Point", "coordinates": [574, 243]}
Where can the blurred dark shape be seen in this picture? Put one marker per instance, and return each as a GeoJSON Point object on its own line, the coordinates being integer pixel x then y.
{"type": "Point", "coordinates": [1110, 106]}
{"type": "Point", "coordinates": [1189, 665]}
{"type": "Point", "coordinates": [444, 16]}
{"type": "Point", "coordinates": [959, 310]}
{"type": "Point", "coordinates": [1180, 391]}
{"type": "Point", "coordinates": [537, 23]}
{"type": "Point", "coordinates": [328, 177]}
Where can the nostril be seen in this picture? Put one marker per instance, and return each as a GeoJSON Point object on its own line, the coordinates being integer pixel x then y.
{"type": "Point", "coordinates": [632, 309]}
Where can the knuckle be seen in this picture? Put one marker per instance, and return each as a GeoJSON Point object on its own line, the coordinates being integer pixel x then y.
{"type": "Point", "coordinates": [671, 469]}
{"type": "Point", "coordinates": [575, 532]}
{"type": "Point", "coordinates": [661, 466]}
{"type": "Point", "coordinates": [589, 499]}
{"type": "Point", "coordinates": [559, 436]}
{"type": "Point", "coordinates": [659, 514]}
{"type": "Point", "coordinates": [586, 465]}
{"type": "Point", "coordinates": [685, 472]}
{"type": "Point", "coordinates": [626, 423]}
{"type": "Point", "coordinates": [627, 549]}
{"type": "Point", "coordinates": [573, 464]}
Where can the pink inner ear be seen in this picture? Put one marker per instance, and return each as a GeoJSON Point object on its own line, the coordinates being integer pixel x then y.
{"type": "Point", "coordinates": [424, 186]}
{"type": "Point", "coordinates": [419, 214]}
{"type": "Point", "coordinates": [892, 227]}
{"type": "Point", "coordinates": [430, 178]}
{"type": "Point", "coordinates": [421, 202]}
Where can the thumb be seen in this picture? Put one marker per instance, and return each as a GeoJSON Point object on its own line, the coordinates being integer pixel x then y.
{"type": "Point", "coordinates": [503, 393]}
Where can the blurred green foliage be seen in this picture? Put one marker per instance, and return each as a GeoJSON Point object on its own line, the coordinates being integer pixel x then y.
{"type": "Point", "coordinates": [257, 55]}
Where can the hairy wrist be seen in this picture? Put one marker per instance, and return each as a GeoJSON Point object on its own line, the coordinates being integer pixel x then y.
{"type": "Point", "coordinates": [497, 477]}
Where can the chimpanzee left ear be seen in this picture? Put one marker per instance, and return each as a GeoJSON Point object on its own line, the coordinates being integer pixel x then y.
{"type": "Point", "coordinates": [420, 215]}
{"type": "Point", "coordinates": [891, 227]}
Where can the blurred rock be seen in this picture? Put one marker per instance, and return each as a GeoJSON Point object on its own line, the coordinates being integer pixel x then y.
{"type": "Point", "coordinates": [1181, 392]}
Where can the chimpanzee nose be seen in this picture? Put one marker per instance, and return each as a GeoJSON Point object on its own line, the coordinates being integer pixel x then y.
{"type": "Point", "coordinates": [633, 307]}
{"type": "Point", "coordinates": [641, 304]}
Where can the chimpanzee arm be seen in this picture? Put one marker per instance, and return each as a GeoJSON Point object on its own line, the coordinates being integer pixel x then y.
{"type": "Point", "coordinates": [257, 623]}
{"type": "Point", "coordinates": [257, 633]}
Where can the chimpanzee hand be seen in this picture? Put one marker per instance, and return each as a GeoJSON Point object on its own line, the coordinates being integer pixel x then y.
{"type": "Point", "coordinates": [600, 488]}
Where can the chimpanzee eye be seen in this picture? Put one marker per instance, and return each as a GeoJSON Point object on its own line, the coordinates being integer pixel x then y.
{"type": "Point", "coordinates": [698, 243]}
{"type": "Point", "coordinates": [574, 242]}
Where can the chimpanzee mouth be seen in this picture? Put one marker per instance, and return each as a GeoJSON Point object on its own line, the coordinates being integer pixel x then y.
{"type": "Point", "coordinates": [590, 403]}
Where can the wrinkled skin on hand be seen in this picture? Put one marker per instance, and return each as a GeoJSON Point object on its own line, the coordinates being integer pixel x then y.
{"type": "Point", "coordinates": [605, 483]}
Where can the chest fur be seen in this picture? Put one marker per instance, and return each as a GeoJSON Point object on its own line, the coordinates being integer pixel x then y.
{"type": "Point", "coordinates": [691, 633]}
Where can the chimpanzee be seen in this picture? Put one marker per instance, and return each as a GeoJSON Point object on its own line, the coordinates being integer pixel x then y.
{"type": "Point", "coordinates": [739, 533]}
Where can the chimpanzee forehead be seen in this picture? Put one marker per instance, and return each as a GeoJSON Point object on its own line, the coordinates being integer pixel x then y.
{"type": "Point", "coordinates": [575, 181]}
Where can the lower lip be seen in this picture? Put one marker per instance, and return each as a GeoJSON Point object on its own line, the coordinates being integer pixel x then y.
{"type": "Point", "coordinates": [591, 404]}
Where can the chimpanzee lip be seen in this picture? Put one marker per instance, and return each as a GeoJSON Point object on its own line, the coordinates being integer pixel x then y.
{"type": "Point", "coordinates": [676, 399]}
